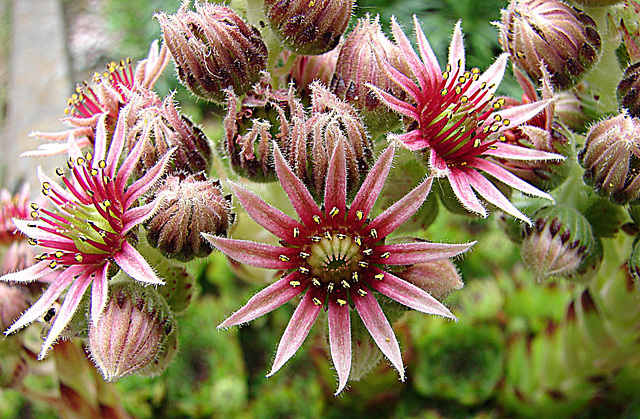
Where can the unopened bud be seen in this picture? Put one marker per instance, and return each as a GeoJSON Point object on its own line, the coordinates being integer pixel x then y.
{"type": "Point", "coordinates": [557, 243]}
{"type": "Point", "coordinates": [131, 332]}
{"type": "Point", "coordinates": [359, 66]}
{"type": "Point", "coordinates": [14, 300]}
{"type": "Point", "coordinates": [611, 156]}
{"type": "Point", "coordinates": [629, 90]}
{"type": "Point", "coordinates": [597, 3]}
{"type": "Point", "coordinates": [308, 68]}
{"type": "Point", "coordinates": [163, 127]}
{"type": "Point", "coordinates": [552, 34]}
{"type": "Point", "coordinates": [312, 142]}
{"type": "Point", "coordinates": [187, 208]}
{"type": "Point", "coordinates": [439, 278]}
{"type": "Point", "coordinates": [265, 115]}
{"type": "Point", "coordinates": [213, 49]}
{"type": "Point", "coordinates": [309, 27]}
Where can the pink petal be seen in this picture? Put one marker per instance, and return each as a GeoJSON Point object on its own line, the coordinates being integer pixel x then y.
{"type": "Point", "coordinates": [99, 149]}
{"type": "Point", "coordinates": [409, 55]}
{"type": "Point", "coordinates": [340, 341]}
{"type": "Point", "coordinates": [335, 193]}
{"type": "Point", "coordinates": [413, 140]}
{"type": "Point", "coordinates": [379, 328]}
{"type": "Point", "coordinates": [272, 219]}
{"type": "Point", "coordinates": [519, 114]}
{"type": "Point", "coordinates": [514, 152]}
{"type": "Point", "coordinates": [117, 143]}
{"type": "Point", "coordinates": [297, 192]}
{"type": "Point", "coordinates": [396, 104]}
{"type": "Point", "coordinates": [99, 292]}
{"type": "Point", "coordinates": [134, 265]}
{"type": "Point", "coordinates": [47, 298]}
{"type": "Point", "coordinates": [417, 252]}
{"type": "Point", "coordinates": [405, 83]}
{"type": "Point", "coordinates": [462, 189]}
{"type": "Point", "coordinates": [397, 214]}
{"type": "Point", "coordinates": [438, 165]}
{"type": "Point", "coordinates": [490, 193]}
{"type": "Point", "coordinates": [69, 307]}
{"type": "Point", "coordinates": [507, 177]}
{"type": "Point", "coordinates": [133, 156]}
{"type": "Point", "coordinates": [267, 300]}
{"type": "Point", "coordinates": [409, 295]}
{"type": "Point", "coordinates": [32, 273]}
{"type": "Point", "coordinates": [138, 215]}
{"type": "Point", "coordinates": [371, 187]}
{"type": "Point", "coordinates": [256, 254]}
{"type": "Point", "coordinates": [431, 64]}
{"type": "Point", "coordinates": [492, 76]}
{"type": "Point", "coordinates": [298, 328]}
{"type": "Point", "coordinates": [146, 182]}
{"type": "Point", "coordinates": [456, 49]}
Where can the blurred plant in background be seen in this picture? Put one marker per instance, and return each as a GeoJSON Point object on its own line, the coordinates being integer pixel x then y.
{"type": "Point", "coordinates": [305, 138]}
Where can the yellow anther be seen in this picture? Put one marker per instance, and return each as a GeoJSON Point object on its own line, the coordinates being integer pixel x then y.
{"type": "Point", "coordinates": [327, 235]}
{"type": "Point", "coordinates": [462, 79]}
{"type": "Point", "coordinates": [367, 252]}
{"type": "Point", "coordinates": [341, 236]}
{"type": "Point", "coordinates": [334, 211]}
{"type": "Point", "coordinates": [88, 156]}
{"type": "Point", "coordinates": [90, 192]}
{"type": "Point", "coordinates": [317, 219]}
{"type": "Point", "coordinates": [506, 122]}
{"type": "Point", "coordinates": [304, 255]}
{"type": "Point", "coordinates": [78, 257]}
{"type": "Point", "coordinates": [80, 161]}
{"type": "Point", "coordinates": [315, 282]}
{"type": "Point", "coordinates": [363, 264]}
{"type": "Point", "coordinates": [497, 117]}
{"type": "Point", "coordinates": [445, 75]}
{"type": "Point", "coordinates": [341, 302]}
{"type": "Point", "coordinates": [475, 70]}
{"type": "Point", "coordinates": [53, 264]}
{"type": "Point", "coordinates": [316, 301]}
{"type": "Point", "coordinates": [330, 286]}
{"type": "Point", "coordinates": [59, 171]}
{"type": "Point", "coordinates": [59, 254]}
{"type": "Point", "coordinates": [34, 214]}
{"type": "Point", "coordinates": [477, 143]}
{"type": "Point", "coordinates": [296, 232]}
{"type": "Point", "coordinates": [357, 240]}
{"type": "Point", "coordinates": [32, 241]}
{"type": "Point", "coordinates": [464, 99]}
{"type": "Point", "coordinates": [106, 203]}
{"type": "Point", "coordinates": [362, 292]}
{"type": "Point", "coordinates": [315, 239]}
{"type": "Point", "coordinates": [385, 255]}
{"type": "Point", "coordinates": [360, 214]}
{"type": "Point", "coordinates": [345, 284]}
{"type": "Point", "coordinates": [444, 91]}
{"type": "Point", "coordinates": [46, 185]}
{"type": "Point", "coordinates": [283, 258]}
{"type": "Point", "coordinates": [374, 233]}
{"type": "Point", "coordinates": [294, 283]}
{"type": "Point", "coordinates": [304, 270]}
{"type": "Point", "coordinates": [93, 172]}
{"type": "Point", "coordinates": [379, 276]}
{"type": "Point", "coordinates": [502, 138]}
{"type": "Point", "coordinates": [102, 164]}
{"type": "Point", "coordinates": [355, 277]}
{"type": "Point", "coordinates": [34, 206]}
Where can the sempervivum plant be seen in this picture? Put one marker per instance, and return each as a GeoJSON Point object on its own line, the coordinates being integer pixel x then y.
{"type": "Point", "coordinates": [337, 259]}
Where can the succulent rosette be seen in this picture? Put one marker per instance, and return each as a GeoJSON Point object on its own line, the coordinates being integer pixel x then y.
{"type": "Point", "coordinates": [457, 122]}
{"type": "Point", "coordinates": [91, 228]}
{"type": "Point", "coordinates": [336, 258]}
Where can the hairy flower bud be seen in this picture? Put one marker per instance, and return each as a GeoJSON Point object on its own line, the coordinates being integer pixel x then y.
{"type": "Point", "coordinates": [313, 140]}
{"type": "Point", "coordinates": [558, 242]}
{"type": "Point", "coordinates": [213, 49]}
{"type": "Point", "coordinates": [439, 278]}
{"type": "Point", "coordinates": [629, 90]}
{"type": "Point", "coordinates": [163, 127]}
{"type": "Point", "coordinates": [308, 68]}
{"type": "Point", "coordinates": [611, 158]}
{"type": "Point", "coordinates": [13, 302]}
{"type": "Point", "coordinates": [549, 33]}
{"type": "Point", "coordinates": [250, 127]}
{"type": "Point", "coordinates": [597, 3]}
{"type": "Point", "coordinates": [131, 332]}
{"type": "Point", "coordinates": [309, 28]}
{"type": "Point", "coordinates": [187, 208]}
{"type": "Point", "coordinates": [359, 66]}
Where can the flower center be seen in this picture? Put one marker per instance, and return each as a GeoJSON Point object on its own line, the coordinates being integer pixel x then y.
{"type": "Point", "coordinates": [334, 258]}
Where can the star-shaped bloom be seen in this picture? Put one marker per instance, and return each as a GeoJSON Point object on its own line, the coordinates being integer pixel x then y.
{"type": "Point", "coordinates": [111, 92]}
{"type": "Point", "coordinates": [458, 121]}
{"type": "Point", "coordinates": [336, 258]}
{"type": "Point", "coordinates": [89, 229]}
